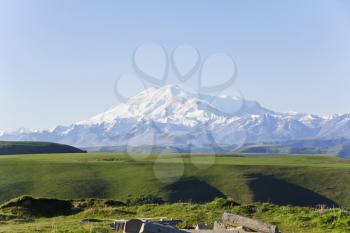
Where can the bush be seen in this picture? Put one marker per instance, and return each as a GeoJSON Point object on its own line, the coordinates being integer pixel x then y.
{"type": "Point", "coordinates": [39, 207]}
{"type": "Point", "coordinates": [148, 199]}
{"type": "Point", "coordinates": [92, 202]}
{"type": "Point", "coordinates": [223, 202]}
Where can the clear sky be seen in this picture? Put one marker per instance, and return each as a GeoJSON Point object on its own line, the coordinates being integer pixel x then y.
{"type": "Point", "coordinates": [59, 59]}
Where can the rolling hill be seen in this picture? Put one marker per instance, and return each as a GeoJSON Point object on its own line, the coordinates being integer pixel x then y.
{"type": "Point", "coordinates": [10, 147]}
{"type": "Point", "coordinates": [297, 180]}
{"type": "Point", "coordinates": [28, 215]}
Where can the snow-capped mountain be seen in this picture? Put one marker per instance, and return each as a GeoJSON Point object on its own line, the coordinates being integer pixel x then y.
{"type": "Point", "coordinates": [172, 116]}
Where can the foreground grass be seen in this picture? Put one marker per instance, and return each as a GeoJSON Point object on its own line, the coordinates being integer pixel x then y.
{"type": "Point", "coordinates": [297, 180]}
{"type": "Point", "coordinates": [289, 219]}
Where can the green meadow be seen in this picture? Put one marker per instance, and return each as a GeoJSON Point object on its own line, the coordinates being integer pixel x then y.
{"type": "Point", "coordinates": [304, 193]}
{"type": "Point", "coordinates": [30, 218]}
{"type": "Point", "coordinates": [286, 179]}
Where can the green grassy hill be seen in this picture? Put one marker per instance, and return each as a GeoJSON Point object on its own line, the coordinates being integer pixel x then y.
{"type": "Point", "coordinates": [26, 215]}
{"type": "Point", "coordinates": [10, 147]}
{"type": "Point", "coordinates": [297, 180]}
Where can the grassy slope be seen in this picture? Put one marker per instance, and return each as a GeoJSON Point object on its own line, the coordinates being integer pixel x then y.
{"type": "Point", "coordinates": [11, 147]}
{"type": "Point", "coordinates": [298, 180]}
{"type": "Point", "coordinates": [289, 219]}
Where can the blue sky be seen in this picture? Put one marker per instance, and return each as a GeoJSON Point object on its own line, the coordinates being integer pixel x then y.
{"type": "Point", "coordinates": [59, 59]}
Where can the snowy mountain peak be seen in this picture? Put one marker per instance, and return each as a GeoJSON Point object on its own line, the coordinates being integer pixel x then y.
{"type": "Point", "coordinates": [171, 90]}
{"type": "Point", "coordinates": [173, 104]}
{"type": "Point", "coordinates": [176, 116]}
{"type": "Point", "coordinates": [168, 91]}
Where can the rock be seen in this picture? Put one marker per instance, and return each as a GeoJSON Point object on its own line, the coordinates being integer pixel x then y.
{"type": "Point", "coordinates": [235, 220]}
{"type": "Point", "coordinates": [133, 226]}
{"type": "Point", "coordinates": [149, 227]}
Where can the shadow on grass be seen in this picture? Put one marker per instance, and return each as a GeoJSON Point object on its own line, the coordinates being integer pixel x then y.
{"type": "Point", "coordinates": [27, 206]}
{"type": "Point", "coordinates": [192, 189]}
{"type": "Point", "coordinates": [267, 188]}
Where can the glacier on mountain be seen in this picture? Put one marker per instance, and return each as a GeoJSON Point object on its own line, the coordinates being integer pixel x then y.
{"type": "Point", "coordinates": [170, 115]}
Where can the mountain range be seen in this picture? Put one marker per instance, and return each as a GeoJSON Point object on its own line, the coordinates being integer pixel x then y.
{"type": "Point", "coordinates": [171, 116]}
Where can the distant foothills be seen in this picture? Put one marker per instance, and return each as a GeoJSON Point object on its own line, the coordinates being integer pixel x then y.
{"type": "Point", "coordinates": [171, 118]}
{"type": "Point", "coordinates": [9, 148]}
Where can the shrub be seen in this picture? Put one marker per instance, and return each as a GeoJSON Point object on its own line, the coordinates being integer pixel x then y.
{"type": "Point", "coordinates": [148, 199]}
